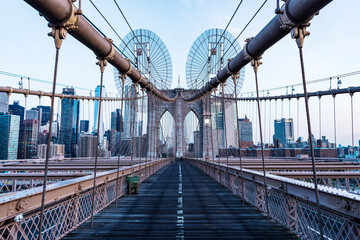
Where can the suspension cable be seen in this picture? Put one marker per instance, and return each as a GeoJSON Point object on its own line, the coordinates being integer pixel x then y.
{"type": "Point", "coordinates": [334, 103]}
{"type": "Point", "coordinates": [102, 64]}
{"type": "Point", "coordinates": [269, 122]}
{"type": "Point", "coordinates": [297, 118]}
{"type": "Point", "coordinates": [120, 130]}
{"type": "Point", "coordinates": [299, 33]}
{"type": "Point", "coordinates": [325, 79]}
{"type": "Point", "coordinates": [211, 133]}
{"type": "Point", "coordinates": [140, 129]}
{"type": "Point", "coordinates": [133, 133]}
{"type": "Point", "coordinates": [142, 47]}
{"type": "Point", "coordinates": [225, 133]}
{"type": "Point", "coordinates": [252, 18]}
{"type": "Point", "coordinates": [58, 33]}
{"type": "Point", "coordinates": [142, 126]}
{"type": "Point", "coordinates": [320, 118]}
{"type": "Point", "coordinates": [352, 120]}
{"type": "Point", "coordinates": [235, 78]}
{"type": "Point", "coordinates": [255, 63]}
{"type": "Point", "coordinates": [217, 131]}
{"type": "Point", "coordinates": [264, 121]}
{"type": "Point", "coordinates": [217, 42]}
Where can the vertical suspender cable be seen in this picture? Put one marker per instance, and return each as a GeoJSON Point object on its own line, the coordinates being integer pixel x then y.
{"type": "Point", "coordinates": [132, 137]}
{"type": "Point", "coordinates": [256, 123]}
{"type": "Point", "coordinates": [299, 35]}
{"type": "Point", "coordinates": [269, 122]}
{"type": "Point", "coordinates": [352, 120]}
{"type": "Point", "coordinates": [102, 64]}
{"type": "Point", "coordinates": [225, 133]}
{"type": "Point", "coordinates": [24, 140]}
{"type": "Point", "coordinates": [334, 96]}
{"type": "Point", "coordinates": [58, 40]}
{"type": "Point", "coordinates": [142, 127]}
{"type": "Point", "coordinates": [320, 118]}
{"type": "Point", "coordinates": [217, 131]}
{"type": "Point", "coordinates": [235, 76]}
{"type": "Point", "coordinates": [297, 117]}
{"type": "Point", "coordinates": [206, 127]}
{"type": "Point", "coordinates": [211, 134]}
{"type": "Point", "coordinates": [150, 117]}
{"type": "Point", "coordinates": [120, 130]}
{"type": "Point", "coordinates": [264, 121]}
{"type": "Point", "coordinates": [255, 63]}
{"type": "Point", "coordinates": [289, 108]}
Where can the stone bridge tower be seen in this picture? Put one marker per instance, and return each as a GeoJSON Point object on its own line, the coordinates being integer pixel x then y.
{"type": "Point", "coordinates": [179, 110]}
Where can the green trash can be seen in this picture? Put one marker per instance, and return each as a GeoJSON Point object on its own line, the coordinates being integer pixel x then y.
{"type": "Point", "coordinates": [132, 184]}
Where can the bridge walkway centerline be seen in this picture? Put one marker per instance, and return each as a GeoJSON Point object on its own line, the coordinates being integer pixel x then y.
{"type": "Point", "coordinates": [180, 202]}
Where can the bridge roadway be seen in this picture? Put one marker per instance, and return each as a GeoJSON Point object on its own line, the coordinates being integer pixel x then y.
{"type": "Point", "coordinates": [180, 202]}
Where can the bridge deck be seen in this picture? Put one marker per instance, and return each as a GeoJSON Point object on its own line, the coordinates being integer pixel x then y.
{"type": "Point", "coordinates": [209, 212]}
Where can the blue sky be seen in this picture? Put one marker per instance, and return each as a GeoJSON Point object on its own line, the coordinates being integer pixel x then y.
{"type": "Point", "coordinates": [332, 48]}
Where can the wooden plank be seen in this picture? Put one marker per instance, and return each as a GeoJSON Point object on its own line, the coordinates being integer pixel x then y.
{"type": "Point", "coordinates": [209, 212]}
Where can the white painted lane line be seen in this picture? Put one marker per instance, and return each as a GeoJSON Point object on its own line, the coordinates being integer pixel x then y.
{"type": "Point", "coordinates": [180, 212]}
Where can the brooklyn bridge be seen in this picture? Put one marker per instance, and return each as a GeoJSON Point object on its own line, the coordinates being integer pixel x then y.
{"type": "Point", "coordinates": [140, 149]}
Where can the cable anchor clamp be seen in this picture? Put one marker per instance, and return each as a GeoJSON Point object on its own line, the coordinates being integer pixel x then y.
{"type": "Point", "coordinates": [255, 63]}
{"type": "Point", "coordinates": [111, 54]}
{"type": "Point", "coordinates": [124, 74]}
{"type": "Point", "coordinates": [299, 33]}
{"type": "Point", "coordinates": [247, 55]}
{"type": "Point", "coordinates": [102, 62]}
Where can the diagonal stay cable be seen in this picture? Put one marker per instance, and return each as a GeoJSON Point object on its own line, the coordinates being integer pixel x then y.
{"type": "Point", "coordinates": [232, 17]}
{"type": "Point", "coordinates": [127, 22]}
{"type": "Point", "coordinates": [102, 15]}
{"type": "Point", "coordinates": [103, 34]}
{"type": "Point", "coordinates": [242, 31]}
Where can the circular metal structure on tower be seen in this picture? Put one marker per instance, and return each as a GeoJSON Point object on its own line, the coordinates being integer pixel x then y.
{"type": "Point", "coordinates": [150, 55]}
{"type": "Point", "coordinates": [208, 54]}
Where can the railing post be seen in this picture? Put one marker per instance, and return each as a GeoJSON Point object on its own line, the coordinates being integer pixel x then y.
{"type": "Point", "coordinates": [291, 214]}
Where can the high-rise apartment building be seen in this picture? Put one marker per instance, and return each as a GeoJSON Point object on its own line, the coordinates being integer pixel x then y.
{"type": "Point", "coordinates": [84, 126]}
{"type": "Point", "coordinates": [17, 109]}
{"type": "Point", "coordinates": [3, 102]}
{"type": "Point", "coordinates": [245, 130]}
{"type": "Point", "coordinates": [9, 132]}
{"type": "Point", "coordinates": [69, 126]}
{"type": "Point", "coordinates": [284, 132]}
{"type": "Point", "coordinates": [28, 139]}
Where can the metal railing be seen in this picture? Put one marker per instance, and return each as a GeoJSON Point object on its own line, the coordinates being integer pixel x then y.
{"type": "Point", "coordinates": [68, 203]}
{"type": "Point", "coordinates": [292, 202]}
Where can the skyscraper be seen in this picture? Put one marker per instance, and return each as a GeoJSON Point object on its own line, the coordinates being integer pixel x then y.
{"type": "Point", "coordinates": [284, 131]}
{"type": "Point", "coordinates": [87, 145]}
{"type": "Point", "coordinates": [140, 128]}
{"type": "Point", "coordinates": [116, 119]}
{"type": "Point", "coordinates": [69, 126]}
{"type": "Point", "coordinates": [113, 120]}
{"type": "Point", "coordinates": [28, 139]}
{"type": "Point", "coordinates": [17, 109]}
{"type": "Point", "coordinates": [84, 126]}
{"type": "Point", "coordinates": [245, 130]}
{"type": "Point", "coordinates": [44, 114]}
{"type": "Point", "coordinates": [3, 102]}
{"type": "Point", "coordinates": [32, 114]}
{"type": "Point", "coordinates": [97, 94]}
{"type": "Point", "coordinates": [9, 132]}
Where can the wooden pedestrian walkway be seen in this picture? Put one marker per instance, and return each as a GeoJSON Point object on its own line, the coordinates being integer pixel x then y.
{"type": "Point", "coordinates": [181, 202]}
